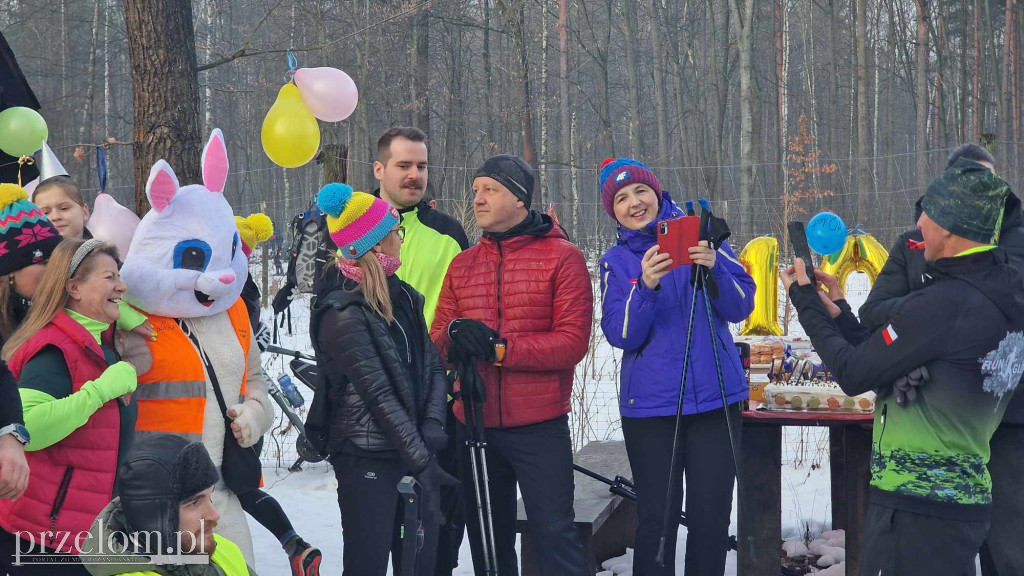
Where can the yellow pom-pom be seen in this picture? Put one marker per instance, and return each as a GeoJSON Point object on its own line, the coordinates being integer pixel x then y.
{"type": "Point", "coordinates": [261, 225]}
{"type": "Point", "coordinates": [11, 193]}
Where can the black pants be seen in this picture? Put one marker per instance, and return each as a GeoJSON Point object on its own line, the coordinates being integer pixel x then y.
{"type": "Point", "coordinates": [1002, 554]}
{"type": "Point", "coordinates": [9, 544]}
{"type": "Point", "coordinates": [706, 459]}
{"type": "Point", "coordinates": [266, 510]}
{"type": "Point", "coordinates": [897, 542]}
{"type": "Point", "coordinates": [539, 458]}
{"type": "Point", "coordinates": [450, 538]}
{"type": "Point", "coordinates": [371, 518]}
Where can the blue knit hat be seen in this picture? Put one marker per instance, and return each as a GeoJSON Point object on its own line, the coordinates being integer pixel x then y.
{"type": "Point", "coordinates": [617, 173]}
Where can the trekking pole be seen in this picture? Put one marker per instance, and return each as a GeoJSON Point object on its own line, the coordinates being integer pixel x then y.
{"type": "Point", "coordinates": [477, 444]}
{"type": "Point", "coordinates": [667, 523]}
{"type": "Point", "coordinates": [412, 535]}
{"type": "Point", "coordinates": [703, 271]}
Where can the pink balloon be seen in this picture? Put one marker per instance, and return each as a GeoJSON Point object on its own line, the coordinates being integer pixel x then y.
{"type": "Point", "coordinates": [112, 223]}
{"type": "Point", "coordinates": [329, 93]}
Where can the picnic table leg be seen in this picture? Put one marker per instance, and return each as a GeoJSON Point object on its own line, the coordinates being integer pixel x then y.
{"type": "Point", "coordinates": [837, 473]}
{"type": "Point", "coordinates": [857, 446]}
{"type": "Point", "coordinates": [760, 516]}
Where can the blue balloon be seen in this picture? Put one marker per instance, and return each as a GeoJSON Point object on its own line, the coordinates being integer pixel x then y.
{"type": "Point", "coordinates": [826, 233]}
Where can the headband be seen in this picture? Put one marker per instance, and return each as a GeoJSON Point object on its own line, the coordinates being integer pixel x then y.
{"type": "Point", "coordinates": [83, 252]}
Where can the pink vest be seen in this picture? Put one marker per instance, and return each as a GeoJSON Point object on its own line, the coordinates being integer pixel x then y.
{"type": "Point", "coordinates": [73, 480]}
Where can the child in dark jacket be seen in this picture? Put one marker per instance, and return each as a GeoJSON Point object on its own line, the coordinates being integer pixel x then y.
{"type": "Point", "coordinates": [645, 307]}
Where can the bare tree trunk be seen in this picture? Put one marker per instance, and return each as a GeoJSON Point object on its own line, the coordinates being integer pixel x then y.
{"type": "Point", "coordinates": [976, 81]}
{"type": "Point", "coordinates": [782, 79]}
{"type": "Point", "coordinates": [632, 80]}
{"type": "Point", "coordinates": [87, 110]}
{"type": "Point", "coordinates": [1006, 96]}
{"type": "Point", "coordinates": [563, 96]}
{"type": "Point", "coordinates": [165, 90]}
{"type": "Point", "coordinates": [486, 4]}
{"type": "Point", "coordinates": [742, 22]}
{"type": "Point", "coordinates": [657, 45]}
{"type": "Point", "coordinates": [543, 164]}
{"type": "Point", "coordinates": [921, 82]}
{"type": "Point", "coordinates": [419, 58]}
{"type": "Point", "coordinates": [864, 192]}
{"type": "Point", "coordinates": [106, 68]}
{"type": "Point", "coordinates": [515, 22]}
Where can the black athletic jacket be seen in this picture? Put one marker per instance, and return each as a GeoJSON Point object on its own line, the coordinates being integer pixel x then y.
{"type": "Point", "coordinates": [929, 456]}
{"type": "Point", "coordinates": [903, 274]}
{"type": "Point", "coordinates": [379, 382]}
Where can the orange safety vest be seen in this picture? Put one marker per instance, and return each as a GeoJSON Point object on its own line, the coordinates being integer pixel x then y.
{"type": "Point", "coordinates": [172, 394]}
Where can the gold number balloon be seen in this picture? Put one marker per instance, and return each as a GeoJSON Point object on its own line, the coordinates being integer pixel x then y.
{"type": "Point", "coordinates": [761, 259]}
{"type": "Point", "coordinates": [861, 253]}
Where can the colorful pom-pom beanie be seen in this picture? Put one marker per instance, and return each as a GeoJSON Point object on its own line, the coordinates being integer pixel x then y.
{"type": "Point", "coordinates": [357, 221]}
{"type": "Point", "coordinates": [26, 235]}
{"type": "Point", "coordinates": [253, 230]}
{"type": "Point", "coordinates": [617, 173]}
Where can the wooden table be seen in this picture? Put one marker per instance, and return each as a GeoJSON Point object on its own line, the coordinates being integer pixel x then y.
{"type": "Point", "coordinates": [760, 516]}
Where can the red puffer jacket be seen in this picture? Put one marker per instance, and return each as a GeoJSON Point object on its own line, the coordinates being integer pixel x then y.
{"type": "Point", "coordinates": [535, 291]}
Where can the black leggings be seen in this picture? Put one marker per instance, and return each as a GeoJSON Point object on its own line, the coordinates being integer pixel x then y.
{"type": "Point", "coordinates": [706, 459]}
{"type": "Point", "coordinates": [265, 509]}
{"type": "Point", "coordinates": [371, 517]}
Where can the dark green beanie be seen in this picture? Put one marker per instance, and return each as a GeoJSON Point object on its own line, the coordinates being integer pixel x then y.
{"type": "Point", "coordinates": [967, 200]}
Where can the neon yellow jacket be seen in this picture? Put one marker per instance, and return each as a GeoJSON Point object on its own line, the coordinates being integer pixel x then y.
{"type": "Point", "coordinates": [226, 556]}
{"type": "Point", "coordinates": [432, 240]}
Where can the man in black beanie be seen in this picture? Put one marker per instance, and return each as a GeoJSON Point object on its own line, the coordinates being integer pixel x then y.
{"type": "Point", "coordinates": [901, 277]}
{"type": "Point", "coordinates": [164, 509]}
{"type": "Point", "coordinates": [523, 292]}
{"type": "Point", "coordinates": [945, 367]}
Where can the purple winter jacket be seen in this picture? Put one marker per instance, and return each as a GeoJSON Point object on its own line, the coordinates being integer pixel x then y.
{"type": "Point", "coordinates": [650, 327]}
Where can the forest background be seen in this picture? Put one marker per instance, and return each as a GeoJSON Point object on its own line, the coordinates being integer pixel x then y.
{"type": "Point", "coordinates": [773, 109]}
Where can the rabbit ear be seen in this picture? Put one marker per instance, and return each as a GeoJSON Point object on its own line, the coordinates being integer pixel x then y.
{"type": "Point", "coordinates": [161, 186]}
{"type": "Point", "coordinates": [215, 162]}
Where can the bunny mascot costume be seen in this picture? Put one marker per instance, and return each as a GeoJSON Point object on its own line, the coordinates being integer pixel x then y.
{"type": "Point", "coordinates": [185, 270]}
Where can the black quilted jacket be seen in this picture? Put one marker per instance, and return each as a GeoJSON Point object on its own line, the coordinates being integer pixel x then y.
{"type": "Point", "coordinates": [364, 395]}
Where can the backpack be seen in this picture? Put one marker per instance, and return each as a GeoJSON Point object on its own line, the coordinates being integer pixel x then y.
{"type": "Point", "coordinates": [307, 257]}
{"type": "Point", "coordinates": [309, 250]}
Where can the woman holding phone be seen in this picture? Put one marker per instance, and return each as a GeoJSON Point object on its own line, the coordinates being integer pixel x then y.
{"type": "Point", "coordinates": [646, 305]}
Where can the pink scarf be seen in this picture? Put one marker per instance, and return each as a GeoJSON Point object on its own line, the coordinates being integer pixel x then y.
{"type": "Point", "coordinates": [353, 272]}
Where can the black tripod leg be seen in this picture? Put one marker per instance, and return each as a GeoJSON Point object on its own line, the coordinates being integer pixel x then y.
{"type": "Point", "coordinates": [669, 522]}
{"type": "Point", "coordinates": [725, 408]}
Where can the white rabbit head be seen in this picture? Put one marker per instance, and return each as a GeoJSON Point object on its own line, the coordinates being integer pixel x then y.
{"type": "Point", "coordinates": [186, 259]}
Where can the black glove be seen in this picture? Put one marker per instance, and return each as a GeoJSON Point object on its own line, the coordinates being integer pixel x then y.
{"type": "Point", "coordinates": [283, 298]}
{"type": "Point", "coordinates": [471, 339]}
{"type": "Point", "coordinates": [431, 479]}
{"type": "Point", "coordinates": [906, 387]}
{"type": "Point", "coordinates": [471, 385]}
{"type": "Point", "coordinates": [433, 435]}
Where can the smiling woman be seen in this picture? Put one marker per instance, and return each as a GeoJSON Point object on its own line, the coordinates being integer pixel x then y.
{"type": "Point", "coordinates": [75, 395]}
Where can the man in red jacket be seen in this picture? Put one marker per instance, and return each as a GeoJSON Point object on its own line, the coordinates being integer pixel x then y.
{"type": "Point", "coordinates": [526, 284]}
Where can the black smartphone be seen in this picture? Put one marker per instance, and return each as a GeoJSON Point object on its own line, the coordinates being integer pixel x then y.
{"type": "Point", "coordinates": [798, 239]}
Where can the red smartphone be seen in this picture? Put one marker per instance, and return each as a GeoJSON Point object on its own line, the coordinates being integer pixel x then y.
{"type": "Point", "coordinates": [676, 237]}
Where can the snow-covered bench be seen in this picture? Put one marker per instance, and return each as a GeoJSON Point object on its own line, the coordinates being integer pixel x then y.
{"type": "Point", "coordinates": [607, 523]}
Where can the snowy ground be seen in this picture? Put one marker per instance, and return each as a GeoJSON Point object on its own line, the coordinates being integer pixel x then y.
{"type": "Point", "coordinates": [310, 498]}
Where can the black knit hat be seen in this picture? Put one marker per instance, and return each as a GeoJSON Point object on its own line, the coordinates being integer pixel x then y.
{"type": "Point", "coordinates": [513, 173]}
{"type": "Point", "coordinates": [967, 200]}
{"type": "Point", "coordinates": [26, 235]}
{"type": "Point", "coordinates": [158, 474]}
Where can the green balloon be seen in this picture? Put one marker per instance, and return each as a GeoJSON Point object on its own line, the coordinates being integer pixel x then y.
{"type": "Point", "coordinates": [22, 131]}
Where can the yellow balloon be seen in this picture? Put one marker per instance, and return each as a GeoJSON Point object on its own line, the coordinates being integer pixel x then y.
{"type": "Point", "coordinates": [861, 253]}
{"type": "Point", "coordinates": [290, 134]}
{"type": "Point", "coordinates": [761, 259]}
